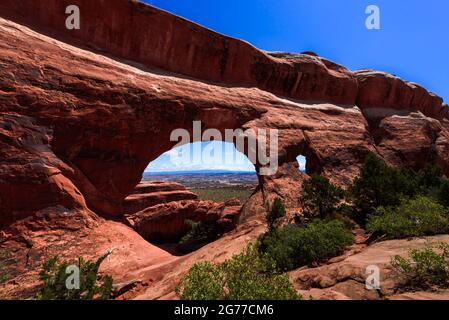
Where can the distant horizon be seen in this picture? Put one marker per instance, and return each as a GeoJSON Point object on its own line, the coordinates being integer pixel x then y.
{"type": "Point", "coordinates": [189, 158]}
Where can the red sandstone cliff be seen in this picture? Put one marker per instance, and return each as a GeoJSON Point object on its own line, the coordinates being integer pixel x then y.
{"type": "Point", "coordinates": [81, 117]}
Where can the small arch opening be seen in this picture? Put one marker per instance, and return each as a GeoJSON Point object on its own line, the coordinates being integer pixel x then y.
{"type": "Point", "coordinates": [191, 195]}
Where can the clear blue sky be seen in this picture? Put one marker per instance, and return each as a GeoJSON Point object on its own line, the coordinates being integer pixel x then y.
{"type": "Point", "coordinates": [211, 155]}
{"type": "Point", "coordinates": [413, 42]}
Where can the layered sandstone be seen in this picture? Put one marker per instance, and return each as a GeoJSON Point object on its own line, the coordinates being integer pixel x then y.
{"type": "Point", "coordinates": [167, 222]}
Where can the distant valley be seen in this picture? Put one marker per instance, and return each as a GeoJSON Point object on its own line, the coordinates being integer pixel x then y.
{"type": "Point", "coordinates": [206, 178]}
{"type": "Point", "coordinates": [214, 185]}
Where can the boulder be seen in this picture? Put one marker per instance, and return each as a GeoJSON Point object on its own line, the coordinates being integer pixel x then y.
{"type": "Point", "coordinates": [83, 112]}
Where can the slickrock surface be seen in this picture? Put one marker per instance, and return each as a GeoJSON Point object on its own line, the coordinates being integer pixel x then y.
{"type": "Point", "coordinates": [167, 222]}
{"type": "Point", "coordinates": [82, 116]}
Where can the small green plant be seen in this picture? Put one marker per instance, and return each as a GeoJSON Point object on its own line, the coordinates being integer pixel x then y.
{"type": "Point", "coordinates": [200, 232]}
{"type": "Point", "coordinates": [413, 217]}
{"type": "Point", "coordinates": [320, 197]}
{"type": "Point", "coordinates": [294, 246]}
{"type": "Point", "coordinates": [424, 269]}
{"type": "Point", "coordinates": [276, 213]}
{"type": "Point", "coordinates": [379, 185]}
{"type": "Point", "coordinates": [372, 187]}
{"type": "Point", "coordinates": [54, 276]}
{"type": "Point", "coordinates": [246, 276]}
{"type": "Point", "coordinates": [3, 273]}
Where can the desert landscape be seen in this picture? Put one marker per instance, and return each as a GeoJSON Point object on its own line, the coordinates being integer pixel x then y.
{"type": "Point", "coordinates": [83, 112]}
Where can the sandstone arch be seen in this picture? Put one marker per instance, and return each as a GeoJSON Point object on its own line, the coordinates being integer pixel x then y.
{"type": "Point", "coordinates": [108, 119]}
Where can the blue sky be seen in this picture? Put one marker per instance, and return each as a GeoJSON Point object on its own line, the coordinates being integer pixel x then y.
{"type": "Point", "coordinates": [211, 155]}
{"type": "Point", "coordinates": [413, 42]}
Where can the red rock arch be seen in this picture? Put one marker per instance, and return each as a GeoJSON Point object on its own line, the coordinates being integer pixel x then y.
{"type": "Point", "coordinates": [79, 128]}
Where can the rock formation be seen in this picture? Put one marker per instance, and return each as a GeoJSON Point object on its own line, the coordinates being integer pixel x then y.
{"type": "Point", "coordinates": [344, 277]}
{"type": "Point", "coordinates": [149, 194]}
{"type": "Point", "coordinates": [83, 112]}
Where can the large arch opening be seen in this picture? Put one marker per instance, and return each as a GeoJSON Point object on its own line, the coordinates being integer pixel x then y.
{"type": "Point", "coordinates": [191, 195]}
{"type": "Point", "coordinates": [215, 170]}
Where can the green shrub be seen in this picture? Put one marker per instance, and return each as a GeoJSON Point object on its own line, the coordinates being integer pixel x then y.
{"type": "Point", "coordinates": [200, 232]}
{"type": "Point", "coordinates": [372, 187]}
{"type": "Point", "coordinates": [410, 182]}
{"type": "Point", "coordinates": [246, 276]}
{"type": "Point", "coordinates": [320, 197]}
{"type": "Point", "coordinates": [414, 217]}
{"type": "Point", "coordinates": [424, 269]}
{"type": "Point", "coordinates": [293, 246]}
{"type": "Point", "coordinates": [276, 213]}
{"type": "Point", "coordinates": [3, 275]}
{"type": "Point", "coordinates": [443, 193]}
{"type": "Point", "coordinates": [92, 285]}
{"type": "Point", "coordinates": [380, 185]}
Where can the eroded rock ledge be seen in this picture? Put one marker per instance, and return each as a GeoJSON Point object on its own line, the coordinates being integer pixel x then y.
{"type": "Point", "coordinates": [154, 38]}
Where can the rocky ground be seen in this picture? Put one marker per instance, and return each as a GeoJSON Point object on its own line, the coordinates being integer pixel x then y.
{"type": "Point", "coordinates": [83, 113]}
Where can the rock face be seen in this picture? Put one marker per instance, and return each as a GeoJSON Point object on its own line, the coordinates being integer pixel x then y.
{"type": "Point", "coordinates": [158, 211]}
{"type": "Point", "coordinates": [174, 44]}
{"type": "Point", "coordinates": [149, 194]}
{"type": "Point", "coordinates": [83, 112]}
{"type": "Point", "coordinates": [167, 222]}
{"type": "Point", "coordinates": [381, 90]}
